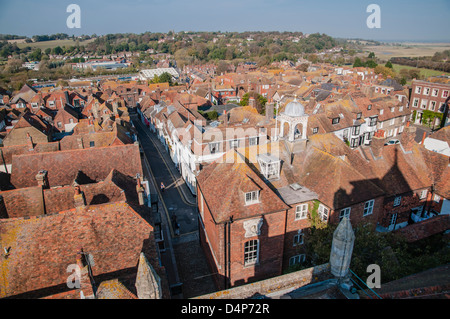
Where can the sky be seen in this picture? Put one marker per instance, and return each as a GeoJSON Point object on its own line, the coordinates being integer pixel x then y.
{"type": "Point", "coordinates": [401, 20]}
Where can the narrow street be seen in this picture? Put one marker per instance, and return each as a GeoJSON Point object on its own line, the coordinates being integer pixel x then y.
{"type": "Point", "coordinates": [184, 259]}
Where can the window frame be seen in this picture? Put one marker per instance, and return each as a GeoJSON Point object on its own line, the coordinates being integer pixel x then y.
{"type": "Point", "coordinates": [397, 199]}
{"type": "Point", "coordinates": [301, 213]}
{"type": "Point", "coordinates": [368, 207]}
{"type": "Point", "coordinates": [345, 212]}
{"type": "Point", "coordinates": [251, 252]}
{"type": "Point", "coordinates": [321, 210]}
{"type": "Point", "coordinates": [254, 197]}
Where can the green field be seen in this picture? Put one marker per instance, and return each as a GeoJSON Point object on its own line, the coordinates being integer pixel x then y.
{"type": "Point", "coordinates": [53, 44]}
{"type": "Point", "coordinates": [423, 72]}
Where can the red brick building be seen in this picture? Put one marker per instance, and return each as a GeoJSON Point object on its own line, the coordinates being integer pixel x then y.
{"type": "Point", "coordinates": [428, 96]}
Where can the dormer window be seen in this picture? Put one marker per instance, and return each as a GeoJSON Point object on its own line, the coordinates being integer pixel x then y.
{"type": "Point", "coordinates": [381, 112]}
{"type": "Point", "coordinates": [335, 120]}
{"type": "Point", "coordinates": [369, 107]}
{"type": "Point", "coordinates": [358, 116]}
{"type": "Point", "coordinates": [269, 166]}
{"type": "Point", "coordinates": [251, 197]}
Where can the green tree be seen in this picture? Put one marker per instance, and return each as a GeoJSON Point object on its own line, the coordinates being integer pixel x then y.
{"type": "Point", "coordinates": [357, 63]}
{"type": "Point", "coordinates": [389, 65]}
{"type": "Point", "coordinates": [371, 55]}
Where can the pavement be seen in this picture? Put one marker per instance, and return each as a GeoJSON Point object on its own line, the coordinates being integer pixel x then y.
{"type": "Point", "coordinates": [184, 259]}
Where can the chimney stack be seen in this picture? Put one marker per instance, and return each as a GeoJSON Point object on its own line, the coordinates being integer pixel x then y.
{"type": "Point", "coordinates": [78, 198]}
{"type": "Point", "coordinates": [30, 142]}
{"type": "Point", "coordinates": [252, 102]}
{"type": "Point", "coordinates": [80, 143]}
{"type": "Point", "coordinates": [269, 112]}
{"type": "Point", "coordinates": [42, 179]}
{"type": "Point", "coordinates": [312, 102]}
{"type": "Point", "coordinates": [408, 138]}
{"type": "Point", "coordinates": [140, 191]}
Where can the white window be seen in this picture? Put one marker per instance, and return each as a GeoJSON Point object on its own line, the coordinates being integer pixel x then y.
{"type": "Point", "coordinates": [71, 121]}
{"type": "Point", "coordinates": [423, 194]}
{"type": "Point", "coordinates": [234, 143]}
{"type": "Point", "coordinates": [397, 200]}
{"type": "Point", "coordinates": [251, 197]}
{"type": "Point", "coordinates": [445, 94]}
{"type": "Point", "coordinates": [213, 147]}
{"type": "Point", "coordinates": [323, 213]}
{"type": "Point", "coordinates": [51, 103]}
{"type": "Point", "coordinates": [251, 252]}
{"type": "Point", "coordinates": [392, 109]}
{"type": "Point", "coordinates": [298, 238]}
{"type": "Point", "coordinates": [296, 260]}
{"type": "Point", "coordinates": [437, 198]}
{"type": "Point", "coordinates": [368, 207]}
{"type": "Point", "coordinates": [253, 141]}
{"type": "Point", "coordinates": [426, 91]}
{"type": "Point", "coordinates": [424, 103]}
{"type": "Point", "coordinates": [34, 105]}
{"type": "Point", "coordinates": [418, 89]}
{"type": "Point", "coordinates": [404, 119]}
{"type": "Point", "coordinates": [416, 102]}
{"type": "Point", "coordinates": [401, 128]}
{"type": "Point", "coordinates": [381, 112]}
{"type": "Point", "coordinates": [400, 109]}
{"type": "Point", "coordinates": [432, 105]}
{"type": "Point", "coordinates": [392, 122]}
{"type": "Point", "coordinates": [435, 92]}
{"type": "Point", "coordinates": [344, 213]}
{"type": "Point", "coordinates": [301, 211]}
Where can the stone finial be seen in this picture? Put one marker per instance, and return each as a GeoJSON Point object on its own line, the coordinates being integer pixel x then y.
{"type": "Point", "coordinates": [342, 248]}
{"type": "Point", "coordinates": [148, 283]}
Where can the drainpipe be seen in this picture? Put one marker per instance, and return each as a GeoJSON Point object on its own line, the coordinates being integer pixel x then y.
{"type": "Point", "coordinates": [227, 251]}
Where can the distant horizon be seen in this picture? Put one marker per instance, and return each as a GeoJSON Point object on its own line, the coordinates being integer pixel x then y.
{"type": "Point", "coordinates": [437, 41]}
{"type": "Point", "coordinates": [407, 20]}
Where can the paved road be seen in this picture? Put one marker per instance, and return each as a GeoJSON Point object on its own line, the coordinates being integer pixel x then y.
{"type": "Point", "coordinates": [177, 198]}
{"type": "Point", "coordinates": [190, 267]}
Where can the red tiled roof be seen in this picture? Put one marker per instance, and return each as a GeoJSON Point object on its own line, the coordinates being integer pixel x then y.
{"type": "Point", "coordinates": [42, 248]}
{"type": "Point", "coordinates": [63, 166]}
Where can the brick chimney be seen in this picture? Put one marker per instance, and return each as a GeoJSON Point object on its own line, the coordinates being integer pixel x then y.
{"type": "Point", "coordinates": [80, 142]}
{"type": "Point", "coordinates": [30, 142]}
{"type": "Point", "coordinates": [269, 112]}
{"type": "Point", "coordinates": [140, 191]}
{"type": "Point", "coordinates": [312, 102]}
{"type": "Point", "coordinates": [78, 198]}
{"type": "Point", "coordinates": [252, 102]}
{"type": "Point", "coordinates": [42, 178]}
{"type": "Point", "coordinates": [407, 138]}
